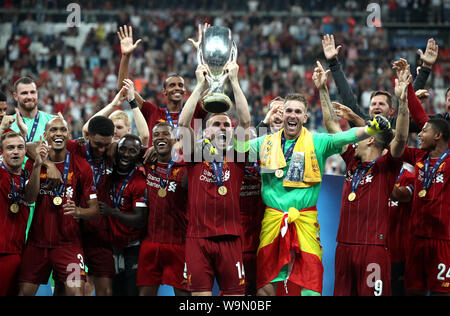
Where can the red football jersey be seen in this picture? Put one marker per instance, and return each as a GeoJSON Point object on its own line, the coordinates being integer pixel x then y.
{"type": "Point", "coordinates": [400, 214]}
{"type": "Point", "coordinates": [366, 219]}
{"type": "Point", "coordinates": [12, 225]}
{"type": "Point", "coordinates": [167, 222]}
{"type": "Point", "coordinates": [209, 213]}
{"type": "Point", "coordinates": [153, 114]}
{"type": "Point", "coordinates": [50, 227]}
{"type": "Point", "coordinates": [96, 230]}
{"type": "Point", "coordinates": [431, 214]}
{"type": "Point", "coordinates": [252, 209]}
{"type": "Point", "coordinates": [134, 195]}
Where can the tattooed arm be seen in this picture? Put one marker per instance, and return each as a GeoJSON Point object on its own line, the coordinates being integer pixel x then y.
{"type": "Point", "coordinates": [402, 126]}
{"type": "Point", "coordinates": [330, 118]}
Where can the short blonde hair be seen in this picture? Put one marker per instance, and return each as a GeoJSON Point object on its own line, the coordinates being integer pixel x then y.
{"type": "Point", "coordinates": [120, 115]}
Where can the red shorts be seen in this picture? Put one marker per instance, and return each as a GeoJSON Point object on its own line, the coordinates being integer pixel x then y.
{"type": "Point", "coordinates": [100, 261]}
{"type": "Point", "coordinates": [362, 270]}
{"type": "Point", "coordinates": [220, 258]}
{"type": "Point", "coordinates": [428, 265]}
{"type": "Point", "coordinates": [67, 264]}
{"type": "Point", "coordinates": [250, 273]}
{"type": "Point", "coordinates": [9, 269]}
{"type": "Point", "coordinates": [161, 263]}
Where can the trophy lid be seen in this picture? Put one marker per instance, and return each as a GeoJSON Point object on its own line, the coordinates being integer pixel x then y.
{"type": "Point", "coordinates": [216, 47]}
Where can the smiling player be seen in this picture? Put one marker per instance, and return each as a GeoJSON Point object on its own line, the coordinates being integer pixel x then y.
{"type": "Point", "coordinates": [54, 241]}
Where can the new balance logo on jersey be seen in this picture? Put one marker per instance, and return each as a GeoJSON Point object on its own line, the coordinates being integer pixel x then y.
{"type": "Point", "coordinates": [439, 177]}
{"type": "Point", "coordinates": [392, 203]}
{"type": "Point", "coordinates": [172, 186]}
{"type": "Point", "coordinates": [367, 179]}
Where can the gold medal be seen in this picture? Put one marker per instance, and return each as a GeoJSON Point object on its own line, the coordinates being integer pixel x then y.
{"type": "Point", "coordinates": [223, 190]}
{"type": "Point", "coordinates": [352, 196]}
{"type": "Point", "coordinates": [423, 193]}
{"type": "Point", "coordinates": [14, 208]}
{"type": "Point", "coordinates": [162, 192]}
{"type": "Point", "coordinates": [57, 200]}
{"type": "Point", "coordinates": [279, 173]}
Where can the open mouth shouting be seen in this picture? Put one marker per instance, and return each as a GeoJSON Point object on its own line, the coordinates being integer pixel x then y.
{"type": "Point", "coordinates": [292, 125]}
{"type": "Point", "coordinates": [221, 139]}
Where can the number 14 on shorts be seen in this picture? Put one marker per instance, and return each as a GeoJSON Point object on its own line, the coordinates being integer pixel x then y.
{"type": "Point", "coordinates": [241, 272]}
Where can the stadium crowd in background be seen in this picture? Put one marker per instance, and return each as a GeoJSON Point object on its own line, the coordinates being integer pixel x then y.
{"type": "Point", "coordinates": [68, 82]}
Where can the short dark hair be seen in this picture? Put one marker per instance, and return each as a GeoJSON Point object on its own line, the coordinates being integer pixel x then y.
{"type": "Point", "coordinates": [101, 125]}
{"type": "Point", "coordinates": [171, 76]}
{"type": "Point", "coordinates": [385, 93]}
{"type": "Point", "coordinates": [441, 126]}
{"type": "Point", "coordinates": [23, 80]}
{"type": "Point", "coordinates": [446, 92]}
{"type": "Point", "coordinates": [383, 139]}
{"type": "Point", "coordinates": [2, 97]}
{"type": "Point", "coordinates": [163, 124]}
{"type": "Point", "coordinates": [132, 137]}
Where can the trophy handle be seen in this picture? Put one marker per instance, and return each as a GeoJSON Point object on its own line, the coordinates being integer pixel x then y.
{"type": "Point", "coordinates": [234, 52]}
{"type": "Point", "coordinates": [200, 59]}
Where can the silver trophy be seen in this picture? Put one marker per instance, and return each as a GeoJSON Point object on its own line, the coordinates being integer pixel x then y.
{"type": "Point", "coordinates": [216, 49]}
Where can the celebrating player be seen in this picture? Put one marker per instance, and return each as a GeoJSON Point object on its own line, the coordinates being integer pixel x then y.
{"type": "Point", "coordinates": [292, 162]}
{"type": "Point", "coordinates": [162, 255]}
{"type": "Point", "coordinates": [18, 189]}
{"type": "Point", "coordinates": [213, 245]}
{"type": "Point", "coordinates": [54, 242]}
{"type": "Point", "coordinates": [126, 211]}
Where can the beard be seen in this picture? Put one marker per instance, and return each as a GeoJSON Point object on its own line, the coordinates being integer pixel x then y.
{"type": "Point", "coordinates": [28, 106]}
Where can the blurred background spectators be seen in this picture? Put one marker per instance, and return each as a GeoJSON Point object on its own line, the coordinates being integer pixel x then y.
{"type": "Point", "coordinates": [278, 41]}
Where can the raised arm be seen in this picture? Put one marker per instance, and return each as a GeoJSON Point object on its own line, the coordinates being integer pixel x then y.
{"type": "Point", "coordinates": [186, 115]}
{"type": "Point", "coordinates": [330, 119]}
{"type": "Point", "coordinates": [402, 127]}
{"type": "Point", "coordinates": [34, 181]}
{"type": "Point", "coordinates": [428, 59]}
{"type": "Point", "coordinates": [348, 97]}
{"type": "Point", "coordinates": [127, 48]}
{"type": "Point", "coordinates": [243, 113]}
{"type": "Point", "coordinates": [139, 120]}
{"type": "Point", "coordinates": [108, 109]}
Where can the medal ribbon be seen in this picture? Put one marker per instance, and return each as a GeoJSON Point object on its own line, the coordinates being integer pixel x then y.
{"type": "Point", "coordinates": [16, 194]}
{"type": "Point", "coordinates": [288, 154]}
{"type": "Point", "coordinates": [360, 172]}
{"type": "Point", "coordinates": [170, 121]}
{"type": "Point", "coordinates": [428, 177]}
{"type": "Point", "coordinates": [162, 182]}
{"type": "Point", "coordinates": [256, 170]}
{"type": "Point", "coordinates": [97, 175]}
{"type": "Point", "coordinates": [60, 190]}
{"type": "Point", "coordinates": [30, 137]}
{"type": "Point", "coordinates": [117, 197]}
{"type": "Point", "coordinates": [218, 169]}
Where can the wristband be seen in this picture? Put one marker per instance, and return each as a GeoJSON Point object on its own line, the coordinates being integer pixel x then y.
{"type": "Point", "coordinates": [133, 104]}
{"type": "Point", "coordinates": [241, 146]}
